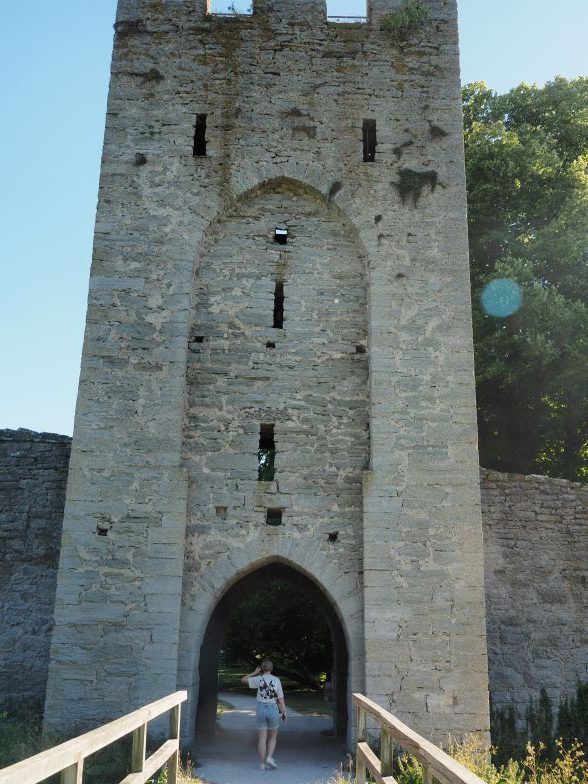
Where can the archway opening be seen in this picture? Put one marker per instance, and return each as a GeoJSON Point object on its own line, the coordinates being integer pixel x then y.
{"type": "Point", "coordinates": [278, 612]}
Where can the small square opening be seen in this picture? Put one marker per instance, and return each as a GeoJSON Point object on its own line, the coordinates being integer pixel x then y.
{"type": "Point", "coordinates": [281, 235]}
{"type": "Point", "coordinates": [273, 517]}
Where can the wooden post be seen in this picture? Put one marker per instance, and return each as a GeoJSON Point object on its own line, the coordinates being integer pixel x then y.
{"type": "Point", "coordinates": [139, 747]}
{"type": "Point", "coordinates": [74, 774]}
{"type": "Point", "coordinates": [361, 724]}
{"type": "Point", "coordinates": [386, 753]}
{"type": "Point", "coordinates": [174, 732]}
{"type": "Point", "coordinates": [427, 775]}
{"type": "Point", "coordinates": [360, 769]}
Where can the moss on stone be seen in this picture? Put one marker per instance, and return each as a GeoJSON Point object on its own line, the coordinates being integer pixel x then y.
{"type": "Point", "coordinates": [411, 183]}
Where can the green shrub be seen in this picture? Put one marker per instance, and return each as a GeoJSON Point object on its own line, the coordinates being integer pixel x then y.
{"type": "Point", "coordinates": [20, 735]}
{"type": "Point", "coordinates": [407, 20]}
{"type": "Point", "coordinates": [544, 726]}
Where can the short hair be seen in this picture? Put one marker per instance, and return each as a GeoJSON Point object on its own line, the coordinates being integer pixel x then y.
{"type": "Point", "coordinates": [267, 665]}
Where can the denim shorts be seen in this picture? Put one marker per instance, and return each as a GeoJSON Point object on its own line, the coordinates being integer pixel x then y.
{"type": "Point", "coordinates": [267, 715]}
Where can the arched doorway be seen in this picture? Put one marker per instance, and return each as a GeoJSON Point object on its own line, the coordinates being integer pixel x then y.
{"type": "Point", "coordinates": [216, 630]}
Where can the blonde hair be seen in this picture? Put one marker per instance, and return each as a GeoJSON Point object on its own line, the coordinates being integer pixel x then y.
{"type": "Point", "coordinates": [267, 665]}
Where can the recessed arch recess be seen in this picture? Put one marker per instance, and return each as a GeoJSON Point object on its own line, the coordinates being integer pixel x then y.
{"type": "Point", "coordinates": [215, 630]}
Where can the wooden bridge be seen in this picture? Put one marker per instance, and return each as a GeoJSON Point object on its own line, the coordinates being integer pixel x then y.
{"type": "Point", "coordinates": [68, 758]}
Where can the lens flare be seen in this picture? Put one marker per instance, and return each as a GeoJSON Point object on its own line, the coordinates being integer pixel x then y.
{"type": "Point", "coordinates": [501, 297]}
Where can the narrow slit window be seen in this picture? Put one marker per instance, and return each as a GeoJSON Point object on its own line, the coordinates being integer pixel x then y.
{"type": "Point", "coordinates": [369, 141]}
{"type": "Point", "coordinates": [200, 136]}
{"type": "Point", "coordinates": [273, 517]}
{"type": "Point", "coordinates": [279, 305]}
{"type": "Point", "coordinates": [266, 454]}
{"type": "Point", "coordinates": [281, 235]}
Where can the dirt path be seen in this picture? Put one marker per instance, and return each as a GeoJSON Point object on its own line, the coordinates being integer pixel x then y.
{"type": "Point", "coordinates": [304, 754]}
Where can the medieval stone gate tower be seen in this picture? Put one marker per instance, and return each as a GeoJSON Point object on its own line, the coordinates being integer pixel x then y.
{"type": "Point", "coordinates": [280, 263]}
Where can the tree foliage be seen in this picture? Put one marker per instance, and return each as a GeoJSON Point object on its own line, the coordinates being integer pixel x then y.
{"type": "Point", "coordinates": [282, 622]}
{"type": "Point", "coordinates": [527, 174]}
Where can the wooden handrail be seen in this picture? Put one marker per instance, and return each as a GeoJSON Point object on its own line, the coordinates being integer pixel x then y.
{"type": "Point", "coordinates": [68, 758]}
{"type": "Point", "coordinates": [437, 765]}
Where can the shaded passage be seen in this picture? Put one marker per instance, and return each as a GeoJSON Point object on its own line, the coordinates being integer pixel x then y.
{"type": "Point", "coordinates": [306, 752]}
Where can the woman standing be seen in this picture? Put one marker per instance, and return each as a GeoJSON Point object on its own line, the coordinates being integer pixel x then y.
{"type": "Point", "coordinates": [269, 706]}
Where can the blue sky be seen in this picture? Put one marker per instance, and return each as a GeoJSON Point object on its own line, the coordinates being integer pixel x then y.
{"type": "Point", "coordinates": [55, 57]}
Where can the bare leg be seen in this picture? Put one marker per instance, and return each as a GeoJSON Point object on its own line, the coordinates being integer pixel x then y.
{"type": "Point", "coordinates": [272, 737]}
{"type": "Point", "coordinates": [261, 744]}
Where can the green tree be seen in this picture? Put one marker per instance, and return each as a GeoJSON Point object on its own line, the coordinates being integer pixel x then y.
{"type": "Point", "coordinates": [527, 174]}
{"type": "Point", "coordinates": [282, 622]}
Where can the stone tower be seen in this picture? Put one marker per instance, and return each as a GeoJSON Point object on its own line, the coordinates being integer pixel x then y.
{"type": "Point", "coordinates": [280, 264]}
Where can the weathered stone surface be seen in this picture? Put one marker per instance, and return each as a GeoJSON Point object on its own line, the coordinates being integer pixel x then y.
{"type": "Point", "coordinates": [33, 474]}
{"type": "Point", "coordinates": [166, 425]}
{"type": "Point", "coordinates": [536, 554]}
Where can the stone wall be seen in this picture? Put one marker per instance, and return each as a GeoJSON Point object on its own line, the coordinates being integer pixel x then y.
{"type": "Point", "coordinates": [536, 553]}
{"type": "Point", "coordinates": [286, 95]}
{"type": "Point", "coordinates": [308, 378]}
{"type": "Point", "coordinates": [33, 475]}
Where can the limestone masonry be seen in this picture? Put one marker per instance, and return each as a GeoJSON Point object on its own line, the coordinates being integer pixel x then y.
{"type": "Point", "coordinates": [536, 552]}
{"type": "Point", "coordinates": [33, 472]}
{"type": "Point", "coordinates": [345, 347]}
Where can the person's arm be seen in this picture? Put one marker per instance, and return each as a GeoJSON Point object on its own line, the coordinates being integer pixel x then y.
{"type": "Point", "coordinates": [245, 678]}
{"type": "Point", "coordinates": [282, 707]}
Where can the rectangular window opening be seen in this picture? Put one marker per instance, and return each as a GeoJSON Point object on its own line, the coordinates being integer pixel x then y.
{"type": "Point", "coordinates": [266, 454]}
{"type": "Point", "coordinates": [369, 141]}
{"type": "Point", "coordinates": [347, 11]}
{"type": "Point", "coordinates": [230, 7]}
{"type": "Point", "coordinates": [279, 305]}
{"type": "Point", "coordinates": [273, 517]}
{"type": "Point", "coordinates": [199, 150]}
{"type": "Point", "coordinates": [281, 235]}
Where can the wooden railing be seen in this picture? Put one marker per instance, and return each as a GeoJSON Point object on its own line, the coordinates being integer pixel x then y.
{"type": "Point", "coordinates": [68, 758]}
{"type": "Point", "coordinates": [437, 765]}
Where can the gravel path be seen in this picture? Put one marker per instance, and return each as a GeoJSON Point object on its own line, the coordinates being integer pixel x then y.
{"type": "Point", "coordinates": [304, 754]}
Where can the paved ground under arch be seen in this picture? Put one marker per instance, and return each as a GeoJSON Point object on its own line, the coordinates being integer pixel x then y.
{"type": "Point", "coordinates": [304, 754]}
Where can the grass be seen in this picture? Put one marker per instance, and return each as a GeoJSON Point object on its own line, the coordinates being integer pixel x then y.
{"type": "Point", "coordinates": [405, 20]}
{"type": "Point", "coordinates": [569, 766]}
{"type": "Point", "coordinates": [20, 737]}
{"type": "Point", "coordinates": [301, 699]}
{"type": "Point", "coordinates": [186, 775]}
{"type": "Point", "coordinates": [222, 706]}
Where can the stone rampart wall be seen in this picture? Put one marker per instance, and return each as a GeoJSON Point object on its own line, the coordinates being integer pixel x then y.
{"type": "Point", "coordinates": [536, 554]}
{"type": "Point", "coordinates": [33, 474]}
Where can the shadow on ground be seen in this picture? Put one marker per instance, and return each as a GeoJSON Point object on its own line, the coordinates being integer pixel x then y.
{"type": "Point", "coordinates": [306, 752]}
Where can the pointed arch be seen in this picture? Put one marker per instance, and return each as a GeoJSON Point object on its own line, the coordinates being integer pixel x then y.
{"type": "Point", "coordinates": [254, 579]}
